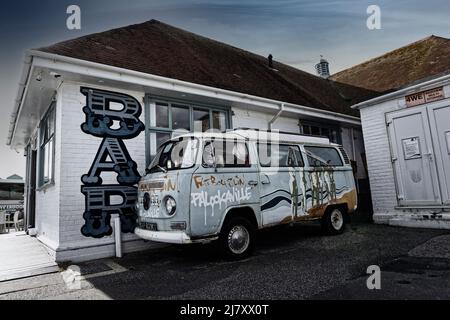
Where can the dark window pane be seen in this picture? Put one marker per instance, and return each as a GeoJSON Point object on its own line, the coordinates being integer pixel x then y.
{"type": "Point", "coordinates": [322, 156]}
{"type": "Point", "coordinates": [307, 130]}
{"type": "Point", "coordinates": [315, 131]}
{"type": "Point", "coordinates": [162, 115]}
{"type": "Point", "coordinates": [180, 118]}
{"type": "Point", "coordinates": [201, 120]}
{"type": "Point", "coordinates": [279, 155]}
{"type": "Point", "coordinates": [334, 136]}
{"type": "Point", "coordinates": [161, 138]}
{"type": "Point", "coordinates": [219, 120]}
{"type": "Point", "coordinates": [298, 156]}
{"type": "Point", "coordinates": [226, 154]}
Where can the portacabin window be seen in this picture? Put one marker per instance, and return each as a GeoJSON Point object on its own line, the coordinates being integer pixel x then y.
{"type": "Point", "coordinates": [323, 157]}
{"type": "Point", "coordinates": [47, 148]}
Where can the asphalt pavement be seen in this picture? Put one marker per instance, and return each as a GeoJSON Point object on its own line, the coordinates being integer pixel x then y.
{"type": "Point", "coordinates": [296, 262]}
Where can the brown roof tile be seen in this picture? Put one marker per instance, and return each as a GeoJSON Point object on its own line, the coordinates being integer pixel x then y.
{"type": "Point", "coordinates": [404, 66]}
{"type": "Point", "coordinates": [156, 48]}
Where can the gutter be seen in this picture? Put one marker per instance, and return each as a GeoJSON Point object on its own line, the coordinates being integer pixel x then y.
{"type": "Point", "coordinates": [275, 118]}
{"type": "Point", "coordinates": [26, 71]}
{"type": "Point", "coordinates": [213, 92]}
{"type": "Point", "coordinates": [52, 60]}
{"type": "Point", "coordinates": [403, 92]}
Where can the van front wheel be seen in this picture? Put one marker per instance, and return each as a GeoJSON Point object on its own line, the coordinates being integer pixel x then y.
{"type": "Point", "coordinates": [333, 222]}
{"type": "Point", "coordinates": [237, 238]}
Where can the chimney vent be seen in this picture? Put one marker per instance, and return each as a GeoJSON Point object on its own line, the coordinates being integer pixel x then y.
{"type": "Point", "coordinates": [270, 61]}
{"type": "Point", "coordinates": [322, 68]}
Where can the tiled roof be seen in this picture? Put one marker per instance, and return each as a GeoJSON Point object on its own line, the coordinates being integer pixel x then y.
{"type": "Point", "coordinates": [156, 48]}
{"type": "Point", "coordinates": [409, 64]}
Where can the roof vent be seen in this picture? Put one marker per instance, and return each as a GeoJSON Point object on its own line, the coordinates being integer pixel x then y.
{"type": "Point", "coordinates": [322, 68]}
{"type": "Point", "coordinates": [270, 58]}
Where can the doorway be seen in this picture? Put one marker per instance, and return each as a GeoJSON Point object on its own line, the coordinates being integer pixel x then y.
{"type": "Point", "coordinates": [420, 150]}
{"type": "Point", "coordinates": [30, 188]}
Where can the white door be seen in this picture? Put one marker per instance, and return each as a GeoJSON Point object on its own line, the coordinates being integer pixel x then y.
{"type": "Point", "coordinates": [413, 157]}
{"type": "Point", "coordinates": [439, 115]}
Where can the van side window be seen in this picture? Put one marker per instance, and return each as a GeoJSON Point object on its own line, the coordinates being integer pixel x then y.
{"type": "Point", "coordinates": [226, 154]}
{"type": "Point", "coordinates": [323, 156]}
{"type": "Point", "coordinates": [279, 155]}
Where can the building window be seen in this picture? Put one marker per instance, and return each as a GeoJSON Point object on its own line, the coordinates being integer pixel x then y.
{"type": "Point", "coordinates": [47, 148]}
{"type": "Point", "coordinates": [330, 132]}
{"type": "Point", "coordinates": [165, 119]}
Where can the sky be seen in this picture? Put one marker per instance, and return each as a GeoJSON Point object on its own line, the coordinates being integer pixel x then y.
{"type": "Point", "coordinates": [294, 32]}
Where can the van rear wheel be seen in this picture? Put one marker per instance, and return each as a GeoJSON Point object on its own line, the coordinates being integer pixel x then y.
{"type": "Point", "coordinates": [237, 238]}
{"type": "Point", "coordinates": [333, 222]}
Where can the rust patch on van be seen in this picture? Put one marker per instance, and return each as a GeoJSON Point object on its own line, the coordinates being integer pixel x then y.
{"type": "Point", "coordinates": [318, 211]}
{"type": "Point", "coordinates": [169, 185]}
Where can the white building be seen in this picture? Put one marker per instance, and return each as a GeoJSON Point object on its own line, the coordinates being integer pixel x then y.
{"type": "Point", "coordinates": [91, 112]}
{"type": "Point", "coordinates": [407, 133]}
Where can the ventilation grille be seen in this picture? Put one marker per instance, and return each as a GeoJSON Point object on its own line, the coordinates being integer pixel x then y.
{"type": "Point", "coordinates": [344, 154]}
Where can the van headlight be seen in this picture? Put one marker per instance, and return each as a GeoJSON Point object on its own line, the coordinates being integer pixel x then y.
{"type": "Point", "coordinates": [171, 205]}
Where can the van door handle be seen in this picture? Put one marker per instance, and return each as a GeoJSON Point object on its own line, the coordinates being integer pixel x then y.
{"type": "Point", "coordinates": [266, 179]}
{"type": "Point", "coordinates": [253, 183]}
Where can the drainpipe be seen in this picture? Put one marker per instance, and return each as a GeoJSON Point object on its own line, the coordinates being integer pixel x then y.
{"type": "Point", "coordinates": [118, 237]}
{"type": "Point", "coordinates": [354, 155]}
{"type": "Point", "coordinates": [271, 122]}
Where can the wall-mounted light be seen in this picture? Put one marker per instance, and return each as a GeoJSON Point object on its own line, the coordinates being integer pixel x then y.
{"type": "Point", "coordinates": [55, 75]}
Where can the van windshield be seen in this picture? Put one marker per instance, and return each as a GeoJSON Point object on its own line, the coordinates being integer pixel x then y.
{"type": "Point", "coordinates": [175, 155]}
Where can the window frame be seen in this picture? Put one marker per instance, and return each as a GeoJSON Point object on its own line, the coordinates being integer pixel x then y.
{"type": "Point", "coordinates": [191, 105]}
{"type": "Point", "coordinates": [177, 169]}
{"type": "Point", "coordinates": [324, 147]}
{"type": "Point", "coordinates": [240, 166]}
{"type": "Point", "coordinates": [43, 125]}
{"type": "Point", "coordinates": [321, 127]}
{"type": "Point", "coordinates": [299, 165]}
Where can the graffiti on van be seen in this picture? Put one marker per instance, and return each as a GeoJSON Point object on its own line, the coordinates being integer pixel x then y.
{"type": "Point", "coordinates": [212, 181]}
{"type": "Point", "coordinates": [112, 156]}
{"type": "Point", "coordinates": [307, 195]}
{"type": "Point", "coordinates": [220, 198]}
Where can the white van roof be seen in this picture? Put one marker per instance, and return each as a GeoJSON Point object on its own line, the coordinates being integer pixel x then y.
{"type": "Point", "coordinates": [262, 135]}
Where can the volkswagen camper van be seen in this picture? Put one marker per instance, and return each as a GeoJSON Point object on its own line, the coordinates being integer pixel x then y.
{"type": "Point", "coordinates": [203, 187]}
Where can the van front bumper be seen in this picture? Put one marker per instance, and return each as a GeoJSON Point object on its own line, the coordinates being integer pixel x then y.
{"type": "Point", "coordinates": [169, 237]}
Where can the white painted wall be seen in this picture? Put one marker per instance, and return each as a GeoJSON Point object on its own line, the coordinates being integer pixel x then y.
{"type": "Point", "coordinates": [244, 118]}
{"type": "Point", "coordinates": [76, 154]}
{"type": "Point", "coordinates": [48, 198]}
{"type": "Point", "coordinates": [381, 174]}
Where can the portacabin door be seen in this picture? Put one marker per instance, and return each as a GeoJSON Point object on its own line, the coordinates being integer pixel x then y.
{"type": "Point", "coordinates": [439, 116]}
{"type": "Point", "coordinates": [413, 157]}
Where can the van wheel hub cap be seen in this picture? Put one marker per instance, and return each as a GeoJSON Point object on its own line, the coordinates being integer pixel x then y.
{"type": "Point", "coordinates": [238, 239]}
{"type": "Point", "coordinates": [337, 220]}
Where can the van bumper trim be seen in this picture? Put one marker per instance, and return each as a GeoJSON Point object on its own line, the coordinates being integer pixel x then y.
{"type": "Point", "coordinates": [169, 237]}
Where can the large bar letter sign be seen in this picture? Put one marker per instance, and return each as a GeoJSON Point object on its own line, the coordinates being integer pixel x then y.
{"type": "Point", "coordinates": [112, 156]}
